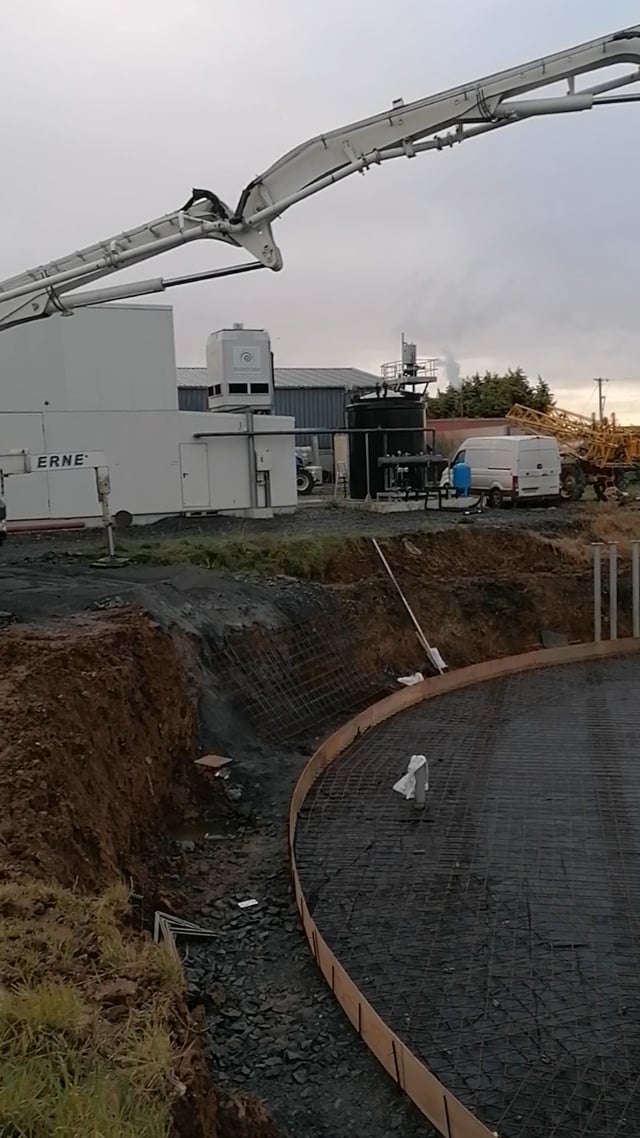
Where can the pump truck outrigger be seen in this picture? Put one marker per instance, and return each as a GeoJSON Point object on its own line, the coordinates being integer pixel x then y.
{"type": "Point", "coordinates": [405, 130]}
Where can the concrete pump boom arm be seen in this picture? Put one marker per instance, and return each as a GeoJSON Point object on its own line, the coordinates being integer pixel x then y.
{"type": "Point", "coordinates": [403, 131]}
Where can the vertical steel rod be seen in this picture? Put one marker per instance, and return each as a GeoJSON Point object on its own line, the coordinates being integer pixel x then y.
{"type": "Point", "coordinates": [366, 459]}
{"type": "Point", "coordinates": [635, 587]}
{"type": "Point", "coordinates": [597, 592]}
{"type": "Point", "coordinates": [613, 590]}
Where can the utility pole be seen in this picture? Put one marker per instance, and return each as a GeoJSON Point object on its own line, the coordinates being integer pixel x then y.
{"type": "Point", "coordinates": [601, 397]}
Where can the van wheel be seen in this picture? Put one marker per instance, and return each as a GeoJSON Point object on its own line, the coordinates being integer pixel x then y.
{"type": "Point", "coordinates": [494, 498]}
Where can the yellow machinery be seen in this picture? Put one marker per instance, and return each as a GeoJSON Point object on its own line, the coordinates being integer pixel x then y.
{"type": "Point", "coordinates": [593, 453]}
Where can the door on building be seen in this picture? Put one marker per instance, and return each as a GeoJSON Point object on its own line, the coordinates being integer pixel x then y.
{"type": "Point", "coordinates": [194, 470]}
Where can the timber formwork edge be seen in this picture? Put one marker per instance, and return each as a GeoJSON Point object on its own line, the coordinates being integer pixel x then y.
{"type": "Point", "coordinates": [442, 1109]}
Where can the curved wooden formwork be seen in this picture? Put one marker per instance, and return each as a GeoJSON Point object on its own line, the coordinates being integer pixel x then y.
{"type": "Point", "coordinates": [443, 1110]}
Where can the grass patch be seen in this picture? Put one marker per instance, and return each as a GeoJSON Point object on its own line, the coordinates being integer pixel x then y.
{"type": "Point", "coordinates": [304, 557]}
{"type": "Point", "coordinates": [87, 1043]}
{"type": "Point", "coordinates": [617, 524]}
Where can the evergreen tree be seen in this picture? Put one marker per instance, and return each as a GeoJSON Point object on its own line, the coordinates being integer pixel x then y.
{"type": "Point", "coordinates": [490, 396]}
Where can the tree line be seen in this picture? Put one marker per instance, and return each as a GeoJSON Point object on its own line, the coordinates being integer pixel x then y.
{"type": "Point", "coordinates": [490, 396]}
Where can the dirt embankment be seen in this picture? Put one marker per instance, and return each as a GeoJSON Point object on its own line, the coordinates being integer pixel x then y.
{"type": "Point", "coordinates": [478, 594]}
{"type": "Point", "coordinates": [98, 730]}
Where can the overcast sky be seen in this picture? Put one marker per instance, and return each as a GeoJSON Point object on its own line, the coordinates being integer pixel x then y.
{"type": "Point", "coordinates": [519, 248]}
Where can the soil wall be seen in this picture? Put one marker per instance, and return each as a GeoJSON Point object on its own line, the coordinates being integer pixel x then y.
{"type": "Point", "coordinates": [98, 727]}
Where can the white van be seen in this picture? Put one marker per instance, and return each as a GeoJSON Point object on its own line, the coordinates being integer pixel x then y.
{"type": "Point", "coordinates": [511, 468]}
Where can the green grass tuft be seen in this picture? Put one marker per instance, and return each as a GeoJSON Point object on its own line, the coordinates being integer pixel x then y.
{"type": "Point", "coordinates": [305, 557]}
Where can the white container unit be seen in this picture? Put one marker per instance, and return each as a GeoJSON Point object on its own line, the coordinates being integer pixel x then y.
{"type": "Point", "coordinates": [157, 466]}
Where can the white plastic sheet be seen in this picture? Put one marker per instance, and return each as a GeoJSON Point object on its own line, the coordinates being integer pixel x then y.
{"type": "Point", "coordinates": [409, 681]}
{"type": "Point", "coordinates": [407, 784]}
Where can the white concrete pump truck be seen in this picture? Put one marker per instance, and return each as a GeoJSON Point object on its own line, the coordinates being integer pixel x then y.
{"type": "Point", "coordinates": [403, 131]}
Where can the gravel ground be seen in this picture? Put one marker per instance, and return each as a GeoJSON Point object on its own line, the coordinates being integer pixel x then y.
{"type": "Point", "coordinates": [325, 519]}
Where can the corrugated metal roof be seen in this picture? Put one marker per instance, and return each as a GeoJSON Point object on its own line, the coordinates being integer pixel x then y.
{"type": "Point", "coordinates": [343, 377]}
{"type": "Point", "coordinates": [192, 377]}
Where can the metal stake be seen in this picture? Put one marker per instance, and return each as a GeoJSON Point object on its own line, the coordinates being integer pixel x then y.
{"type": "Point", "coordinates": [613, 590]}
{"type": "Point", "coordinates": [104, 489]}
{"type": "Point", "coordinates": [635, 587]}
{"type": "Point", "coordinates": [597, 591]}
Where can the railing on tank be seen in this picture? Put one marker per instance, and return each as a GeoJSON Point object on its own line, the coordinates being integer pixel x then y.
{"type": "Point", "coordinates": [422, 371]}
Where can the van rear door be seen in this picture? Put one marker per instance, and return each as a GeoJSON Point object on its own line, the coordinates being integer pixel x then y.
{"type": "Point", "coordinates": [538, 468]}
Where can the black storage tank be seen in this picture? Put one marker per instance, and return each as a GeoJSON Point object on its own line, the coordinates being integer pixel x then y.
{"type": "Point", "coordinates": [382, 413]}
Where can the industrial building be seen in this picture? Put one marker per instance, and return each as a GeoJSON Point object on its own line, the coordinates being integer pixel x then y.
{"type": "Point", "coordinates": [104, 380]}
{"type": "Point", "coordinates": [313, 396]}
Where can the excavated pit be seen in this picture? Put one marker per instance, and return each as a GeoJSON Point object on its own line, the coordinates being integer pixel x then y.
{"type": "Point", "coordinates": [104, 713]}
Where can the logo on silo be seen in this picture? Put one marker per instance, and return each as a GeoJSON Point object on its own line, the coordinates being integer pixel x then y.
{"type": "Point", "coordinates": [246, 359]}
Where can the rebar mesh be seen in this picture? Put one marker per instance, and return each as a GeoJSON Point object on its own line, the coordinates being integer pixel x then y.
{"type": "Point", "coordinates": [301, 678]}
{"type": "Point", "coordinates": [497, 932]}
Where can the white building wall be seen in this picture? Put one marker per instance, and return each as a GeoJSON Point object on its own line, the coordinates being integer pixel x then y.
{"type": "Point", "coordinates": [117, 357]}
{"type": "Point", "coordinates": [149, 470]}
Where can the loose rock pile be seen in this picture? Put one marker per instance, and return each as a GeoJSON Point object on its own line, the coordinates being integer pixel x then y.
{"type": "Point", "coordinates": [273, 1025]}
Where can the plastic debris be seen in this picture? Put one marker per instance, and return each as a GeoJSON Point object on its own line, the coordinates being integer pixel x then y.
{"type": "Point", "coordinates": [250, 904]}
{"type": "Point", "coordinates": [407, 784]}
{"type": "Point", "coordinates": [409, 681]}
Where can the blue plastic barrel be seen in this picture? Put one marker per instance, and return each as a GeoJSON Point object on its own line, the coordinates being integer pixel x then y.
{"type": "Point", "coordinates": [462, 479]}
